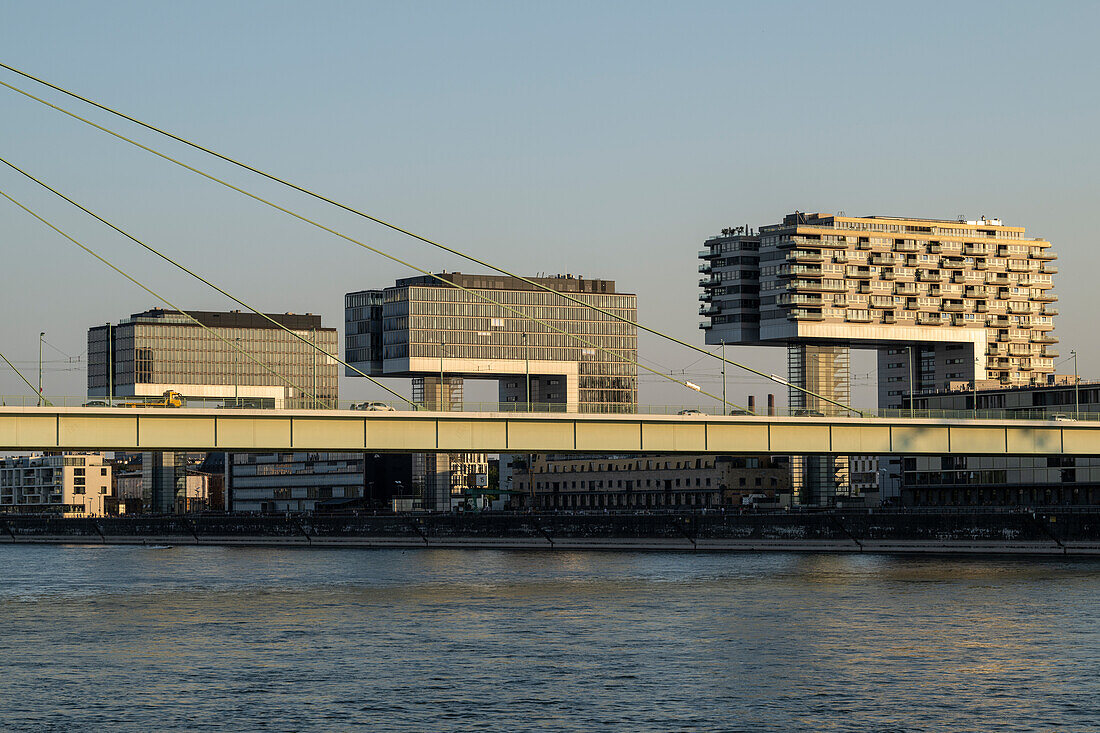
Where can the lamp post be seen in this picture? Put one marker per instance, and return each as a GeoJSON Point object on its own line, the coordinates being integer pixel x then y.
{"type": "Point", "coordinates": [724, 403]}
{"type": "Point", "coordinates": [527, 370]}
{"type": "Point", "coordinates": [237, 378]}
{"type": "Point", "coordinates": [41, 338]}
{"type": "Point", "coordinates": [909, 350]}
{"type": "Point", "coordinates": [975, 388]}
{"type": "Point", "coordinates": [1076, 388]}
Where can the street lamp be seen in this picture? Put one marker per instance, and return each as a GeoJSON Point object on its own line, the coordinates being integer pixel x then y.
{"type": "Point", "coordinates": [527, 369]}
{"type": "Point", "coordinates": [909, 351]}
{"type": "Point", "coordinates": [41, 338]}
{"type": "Point", "coordinates": [237, 378]}
{"type": "Point", "coordinates": [724, 403]}
{"type": "Point", "coordinates": [1076, 387]}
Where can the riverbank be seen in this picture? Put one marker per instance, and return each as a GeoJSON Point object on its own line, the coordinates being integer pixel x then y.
{"type": "Point", "coordinates": [1054, 531]}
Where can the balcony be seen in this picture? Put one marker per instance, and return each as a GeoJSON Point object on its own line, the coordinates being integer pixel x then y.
{"type": "Point", "coordinates": [799, 299]}
{"type": "Point", "coordinates": [1049, 312]}
{"type": "Point", "coordinates": [705, 268]}
{"type": "Point", "coordinates": [858, 273]}
{"type": "Point", "coordinates": [709, 282]}
{"type": "Point", "coordinates": [1049, 269]}
{"type": "Point", "coordinates": [979, 250]}
{"type": "Point", "coordinates": [800, 271]}
{"type": "Point", "coordinates": [900, 246]}
{"type": "Point", "coordinates": [929, 319]}
{"type": "Point", "coordinates": [860, 316]}
{"type": "Point", "coordinates": [930, 276]}
{"type": "Point", "coordinates": [1018, 266]}
{"type": "Point", "coordinates": [1045, 296]}
{"type": "Point", "coordinates": [953, 307]}
{"type": "Point", "coordinates": [706, 297]}
{"type": "Point", "coordinates": [997, 322]}
{"type": "Point", "coordinates": [884, 258]}
{"type": "Point", "coordinates": [706, 254]}
{"type": "Point", "coordinates": [801, 314]}
{"type": "Point", "coordinates": [948, 263]}
{"type": "Point", "coordinates": [709, 310]}
{"type": "Point", "coordinates": [804, 255]}
{"type": "Point", "coordinates": [905, 289]}
{"type": "Point", "coordinates": [1041, 253]}
{"type": "Point", "coordinates": [1050, 353]}
{"type": "Point", "coordinates": [996, 278]}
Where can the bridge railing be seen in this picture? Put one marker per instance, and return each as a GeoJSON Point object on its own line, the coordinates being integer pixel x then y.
{"type": "Point", "coordinates": [1055, 413]}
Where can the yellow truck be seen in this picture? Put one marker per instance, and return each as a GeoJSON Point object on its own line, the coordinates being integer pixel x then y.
{"type": "Point", "coordinates": [170, 398]}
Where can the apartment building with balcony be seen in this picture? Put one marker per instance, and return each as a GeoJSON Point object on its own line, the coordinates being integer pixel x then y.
{"type": "Point", "coordinates": [939, 300]}
{"type": "Point", "coordinates": [67, 484]}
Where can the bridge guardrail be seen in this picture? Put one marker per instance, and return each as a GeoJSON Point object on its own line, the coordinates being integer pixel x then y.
{"type": "Point", "coordinates": [1060, 412]}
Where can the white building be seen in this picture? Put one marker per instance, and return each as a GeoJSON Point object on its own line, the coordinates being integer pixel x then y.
{"type": "Point", "coordinates": [70, 484]}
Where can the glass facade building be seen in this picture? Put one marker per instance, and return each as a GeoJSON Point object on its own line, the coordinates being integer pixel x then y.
{"type": "Point", "coordinates": [161, 350]}
{"type": "Point", "coordinates": [440, 333]}
{"type": "Point", "coordinates": [424, 327]}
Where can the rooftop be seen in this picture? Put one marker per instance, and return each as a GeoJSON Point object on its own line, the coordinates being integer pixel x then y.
{"type": "Point", "coordinates": [228, 319]}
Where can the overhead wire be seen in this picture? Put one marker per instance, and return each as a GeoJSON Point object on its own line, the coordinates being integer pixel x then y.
{"type": "Point", "coordinates": [379, 221]}
{"type": "Point", "coordinates": [202, 279]}
{"type": "Point", "coordinates": [368, 247]}
{"type": "Point", "coordinates": [27, 381]}
{"type": "Point", "coordinates": [160, 297]}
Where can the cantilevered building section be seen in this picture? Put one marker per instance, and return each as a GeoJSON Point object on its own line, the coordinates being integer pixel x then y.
{"type": "Point", "coordinates": [424, 328]}
{"type": "Point", "coordinates": [940, 300]}
{"type": "Point", "coordinates": [440, 334]}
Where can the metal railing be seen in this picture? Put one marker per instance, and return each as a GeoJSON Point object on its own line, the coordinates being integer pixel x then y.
{"type": "Point", "coordinates": [1052, 414]}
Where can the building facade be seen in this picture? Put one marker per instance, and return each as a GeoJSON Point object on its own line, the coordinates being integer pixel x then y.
{"type": "Point", "coordinates": [308, 481]}
{"type": "Point", "coordinates": [1006, 481]}
{"type": "Point", "coordinates": [938, 300]}
{"type": "Point", "coordinates": [442, 333]}
{"type": "Point", "coordinates": [68, 484]}
{"type": "Point", "coordinates": [648, 481]}
{"type": "Point", "coordinates": [159, 350]}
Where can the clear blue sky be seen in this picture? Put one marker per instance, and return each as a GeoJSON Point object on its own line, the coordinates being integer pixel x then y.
{"type": "Point", "coordinates": [606, 139]}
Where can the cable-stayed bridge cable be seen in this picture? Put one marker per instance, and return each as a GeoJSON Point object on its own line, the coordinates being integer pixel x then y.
{"type": "Point", "coordinates": [201, 279]}
{"type": "Point", "coordinates": [160, 297]}
{"type": "Point", "coordinates": [368, 247]}
{"type": "Point", "coordinates": [33, 388]}
{"type": "Point", "coordinates": [394, 227]}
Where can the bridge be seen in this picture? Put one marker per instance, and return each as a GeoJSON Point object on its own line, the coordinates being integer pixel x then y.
{"type": "Point", "coordinates": [203, 429]}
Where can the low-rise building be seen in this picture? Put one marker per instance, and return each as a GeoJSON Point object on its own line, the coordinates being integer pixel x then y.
{"type": "Point", "coordinates": [308, 481]}
{"type": "Point", "coordinates": [69, 484]}
{"type": "Point", "coordinates": [998, 480]}
{"type": "Point", "coordinates": [648, 481]}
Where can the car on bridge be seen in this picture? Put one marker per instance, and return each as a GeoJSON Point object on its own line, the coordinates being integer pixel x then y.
{"type": "Point", "coordinates": [373, 407]}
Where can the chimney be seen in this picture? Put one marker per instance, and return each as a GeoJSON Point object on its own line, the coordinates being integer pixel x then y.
{"type": "Point", "coordinates": [752, 403]}
{"type": "Point", "coordinates": [771, 404]}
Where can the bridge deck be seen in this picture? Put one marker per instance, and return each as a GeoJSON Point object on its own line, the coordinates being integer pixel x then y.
{"type": "Point", "coordinates": [96, 428]}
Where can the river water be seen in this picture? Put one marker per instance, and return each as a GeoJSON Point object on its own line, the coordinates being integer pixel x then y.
{"type": "Point", "coordinates": [208, 638]}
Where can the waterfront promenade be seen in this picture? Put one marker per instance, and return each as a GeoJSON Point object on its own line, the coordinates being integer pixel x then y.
{"type": "Point", "coordinates": [1041, 531]}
